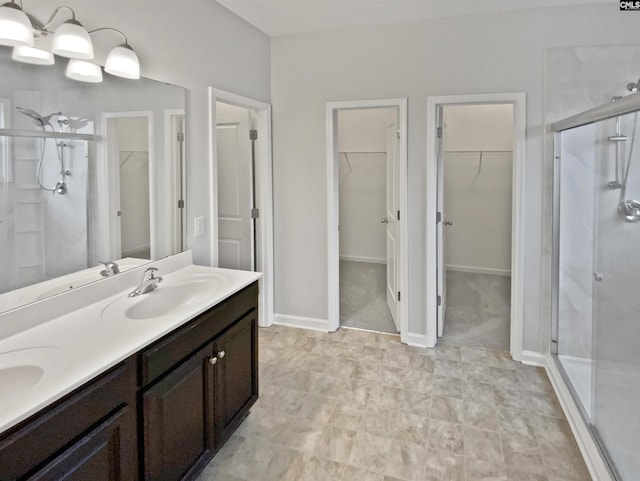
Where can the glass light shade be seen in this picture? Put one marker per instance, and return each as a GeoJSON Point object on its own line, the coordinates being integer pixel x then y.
{"type": "Point", "coordinates": [123, 62]}
{"type": "Point", "coordinates": [84, 71]}
{"type": "Point", "coordinates": [32, 55]}
{"type": "Point", "coordinates": [15, 26]}
{"type": "Point", "coordinates": [72, 40]}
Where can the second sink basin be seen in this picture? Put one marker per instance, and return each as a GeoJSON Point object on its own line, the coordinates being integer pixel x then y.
{"type": "Point", "coordinates": [167, 298]}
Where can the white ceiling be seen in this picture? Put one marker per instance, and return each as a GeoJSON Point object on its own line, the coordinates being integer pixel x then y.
{"type": "Point", "coordinates": [287, 17]}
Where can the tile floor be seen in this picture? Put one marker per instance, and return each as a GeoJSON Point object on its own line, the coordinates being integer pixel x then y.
{"type": "Point", "coordinates": [360, 406]}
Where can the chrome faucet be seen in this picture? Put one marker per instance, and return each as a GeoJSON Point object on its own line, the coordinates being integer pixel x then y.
{"type": "Point", "coordinates": [147, 283]}
{"type": "Point", "coordinates": [110, 269]}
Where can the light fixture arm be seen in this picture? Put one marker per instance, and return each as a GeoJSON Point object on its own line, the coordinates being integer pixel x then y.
{"type": "Point", "coordinates": [55, 12]}
{"type": "Point", "coordinates": [126, 41]}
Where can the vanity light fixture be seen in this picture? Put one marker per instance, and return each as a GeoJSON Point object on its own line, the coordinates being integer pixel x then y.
{"type": "Point", "coordinates": [83, 71]}
{"type": "Point", "coordinates": [26, 34]}
{"type": "Point", "coordinates": [15, 26]}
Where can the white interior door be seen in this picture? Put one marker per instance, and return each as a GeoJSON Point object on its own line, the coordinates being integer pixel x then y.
{"type": "Point", "coordinates": [235, 237]}
{"type": "Point", "coordinates": [441, 270]}
{"type": "Point", "coordinates": [391, 219]}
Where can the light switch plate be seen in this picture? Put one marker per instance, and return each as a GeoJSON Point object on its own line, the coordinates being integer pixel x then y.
{"type": "Point", "coordinates": [198, 226]}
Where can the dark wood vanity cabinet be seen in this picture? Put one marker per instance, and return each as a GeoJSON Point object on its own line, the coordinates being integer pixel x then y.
{"type": "Point", "coordinates": [192, 403]}
{"type": "Point", "coordinates": [89, 434]}
{"type": "Point", "coordinates": [159, 416]}
{"type": "Point", "coordinates": [236, 376]}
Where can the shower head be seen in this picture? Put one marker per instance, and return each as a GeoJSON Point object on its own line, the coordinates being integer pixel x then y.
{"type": "Point", "coordinates": [633, 87]}
{"type": "Point", "coordinates": [38, 119]}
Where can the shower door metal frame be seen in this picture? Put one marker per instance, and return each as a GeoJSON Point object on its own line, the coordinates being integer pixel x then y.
{"type": "Point", "coordinates": [586, 435]}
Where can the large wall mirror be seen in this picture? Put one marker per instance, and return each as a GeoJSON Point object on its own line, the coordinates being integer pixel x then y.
{"type": "Point", "coordinates": [89, 173]}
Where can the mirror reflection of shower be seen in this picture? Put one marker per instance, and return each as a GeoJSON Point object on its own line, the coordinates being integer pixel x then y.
{"type": "Point", "coordinates": [44, 122]}
{"type": "Point", "coordinates": [628, 209]}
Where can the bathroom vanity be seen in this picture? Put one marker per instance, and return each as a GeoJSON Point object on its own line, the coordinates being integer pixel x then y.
{"type": "Point", "coordinates": [181, 377]}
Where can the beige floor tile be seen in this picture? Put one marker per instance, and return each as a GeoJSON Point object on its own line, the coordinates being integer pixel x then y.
{"type": "Point", "coordinates": [552, 431]}
{"type": "Point", "coordinates": [482, 416]}
{"type": "Point", "coordinates": [415, 403]}
{"type": "Point", "coordinates": [369, 451]}
{"type": "Point", "coordinates": [448, 409]}
{"type": "Point", "coordinates": [321, 470]}
{"type": "Point", "coordinates": [316, 408]}
{"type": "Point", "coordinates": [478, 392]}
{"type": "Point", "coordinates": [449, 368]}
{"type": "Point", "coordinates": [564, 462]}
{"type": "Point", "coordinates": [517, 475]}
{"type": "Point", "coordinates": [353, 473]}
{"type": "Point", "coordinates": [343, 416]}
{"type": "Point", "coordinates": [417, 381]}
{"type": "Point", "coordinates": [447, 437]}
{"type": "Point", "coordinates": [411, 428]}
{"type": "Point", "coordinates": [481, 470]}
{"type": "Point", "coordinates": [444, 466]}
{"type": "Point", "coordinates": [544, 404]}
{"type": "Point", "coordinates": [301, 435]}
{"type": "Point", "coordinates": [285, 465]}
{"type": "Point", "coordinates": [483, 445]}
{"type": "Point", "coordinates": [251, 458]}
{"type": "Point", "coordinates": [406, 461]}
{"type": "Point", "coordinates": [448, 386]}
{"type": "Point", "coordinates": [522, 453]}
{"type": "Point", "coordinates": [335, 444]}
{"type": "Point", "coordinates": [379, 421]}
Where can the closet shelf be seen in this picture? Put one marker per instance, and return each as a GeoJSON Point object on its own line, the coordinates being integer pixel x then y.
{"type": "Point", "coordinates": [46, 135]}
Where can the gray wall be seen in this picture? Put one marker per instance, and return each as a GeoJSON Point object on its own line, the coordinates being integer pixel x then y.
{"type": "Point", "coordinates": [475, 54]}
{"type": "Point", "coordinates": [194, 44]}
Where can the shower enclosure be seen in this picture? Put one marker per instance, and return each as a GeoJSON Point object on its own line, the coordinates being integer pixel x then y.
{"type": "Point", "coordinates": [596, 292]}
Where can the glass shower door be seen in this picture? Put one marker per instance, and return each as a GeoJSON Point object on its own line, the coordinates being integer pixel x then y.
{"type": "Point", "coordinates": [615, 413]}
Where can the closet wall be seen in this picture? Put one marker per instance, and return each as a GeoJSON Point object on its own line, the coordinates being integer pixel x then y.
{"type": "Point", "coordinates": [478, 142]}
{"type": "Point", "coordinates": [362, 172]}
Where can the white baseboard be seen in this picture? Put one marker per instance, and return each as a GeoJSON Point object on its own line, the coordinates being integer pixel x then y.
{"type": "Point", "coordinates": [301, 322]}
{"type": "Point", "coordinates": [374, 260]}
{"type": "Point", "coordinates": [532, 358]}
{"type": "Point", "coordinates": [596, 465]}
{"type": "Point", "coordinates": [479, 270]}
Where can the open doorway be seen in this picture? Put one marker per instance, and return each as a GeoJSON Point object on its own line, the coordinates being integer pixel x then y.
{"type": "Point", "coordinates": [476, 189]}
{"type": "Point", "coordinates": [368, 147]}
{"type": "Point", "coordinates": [366, 214]}
{"type": "Point", "coordinates": [484, 166]}
{"type": "Point", "coordinates": [131, 155]}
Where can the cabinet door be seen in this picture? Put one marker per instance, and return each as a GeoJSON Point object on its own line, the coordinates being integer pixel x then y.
{"type": "Point", "coordinates": [178, 424]}
{"type": "Point", "coordinates": [107, 453]}
{"type": "Point", "coordinates": [236, 375]}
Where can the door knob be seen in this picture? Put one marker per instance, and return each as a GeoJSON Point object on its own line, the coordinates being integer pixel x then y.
{"type": "Point", "coordinates": [221, 354]}
{"type": "Point", "coordinates": [448, 222]}
{"type": "Point", "coordinates": [384, 220]}
{"type": "Point", "coordinates": [213, 360]}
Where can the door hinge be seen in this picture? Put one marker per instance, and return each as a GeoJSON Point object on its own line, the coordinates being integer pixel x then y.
{"type": "Point", "coordinates": [397, 215]}
{"type": "Point", "coordinates": [255, 213]}
{"type": "Point", "coordinates": [439, 132]}
{"type": "Point", "coordinates": [253, 135]}
{"type": "Point", "coordinates": [439, 300]}
{"type": "Point", "coordinates": [119, 213]}
{"type": "Point", "coordinates": [438, 217]}
{"type": "Point", "coordinates": [180, 204]}
{"type": "Point", "coordinates": [398, 296]}
{"type": "Point", "coordinates": [180, 136]}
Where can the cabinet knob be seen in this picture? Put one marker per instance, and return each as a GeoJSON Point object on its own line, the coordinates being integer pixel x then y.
{"type": "Point", "coordinates": [221, 354]}
{"type": "Point", "coordinates": [213, 360]}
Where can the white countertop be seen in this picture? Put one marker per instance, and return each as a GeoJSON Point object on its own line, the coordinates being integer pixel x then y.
{"type": "Point", "coordinates": [79, 343]}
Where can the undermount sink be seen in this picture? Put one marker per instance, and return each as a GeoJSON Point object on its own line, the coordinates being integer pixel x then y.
{"type": "Point", "coordinates": [23, 369]}
{"type": "Point", "coordinates": [167, 298]}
